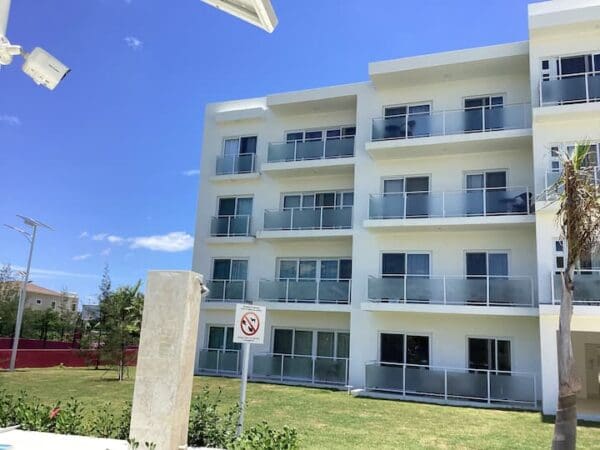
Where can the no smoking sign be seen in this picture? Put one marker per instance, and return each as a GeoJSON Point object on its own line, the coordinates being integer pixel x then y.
{"type": "Point", "coordinates": [249, 324]}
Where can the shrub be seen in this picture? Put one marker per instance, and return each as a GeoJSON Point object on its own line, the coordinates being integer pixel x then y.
{"type": "Point", "coordinates": [263, 437]}
{"type": "Point", "coordinates": [208, 427]}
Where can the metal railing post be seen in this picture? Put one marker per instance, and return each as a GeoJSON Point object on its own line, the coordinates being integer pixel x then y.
{"type": "Point", "coordinates": [483, 118]}
{"type": "Point", "coordinates": [406, 126]}
{"type": "Point", "coordinates": [243, 291]}
{"type": "Point", "coordinates": [405, 282]}
{"type": "Point", "coordinates": [484, 192]}
{"type": "Point", "coordinates": [321, 219]}
{"type": "Point", "coordinates": [291, 227]}
{"type": "Point", "coordinates": [281, 374]}
{"type": "Point", "coordinates": [487, 290]}
{"type": "Point", "coordinates": [247, 225]}
{"type": "Point", "coordinates": [324, 146]}
{"type": "Point", "coordinates": [534, 391]}
{"type": "Point", "coordinates": [446, 384]}
{"type": "Point", "coordinates": [295, 150]}
{"type": "Point", "coordinates": [405, 197]}
{"type": "Point", "coordinates": [527, 200]}
{"type": "Point", "coordinates": [314, 363]}
{"type": "Point", "coordinates": [218, 360]}
{"type": "Point", "coordinates": [287, 290]}
{"type": "Point", "coordinates": [404, 379]}
{"type": "Point", "coordinates": [444, 289]}
{"type": "Point", "coordinates": [552, 289]}
{"type": "Point", "coordinates": [531, 283]}
{"type": "Point", "coordinates": [587, 88]}
{"type": "Point", "coordinates": [489, 388]}
{"type": "Point", "coordinates": [347, 369]}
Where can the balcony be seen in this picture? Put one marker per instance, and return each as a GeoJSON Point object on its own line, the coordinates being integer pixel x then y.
{"type": "Point", "coordinates": [226, 291]}
{"type": "Point", "coordinates": [236, 164]}
{"type": "Point", "coordinates": [315, 370]}
{"type": "Point", "coordinates": [324, 221]}
{"type": "Point", "coordinates": [498, 128]}
{"type": "Point", "coordinates": [305, 294]}
{"type": "Point", "coordinates": [219, 361]}
{"type": "Point", "coordinates": [570, 89]}
{"type": "Point", "coordinates": [586, 288]}
{"type": "Point", "coordinates": [329, 156]}
{"type": "Point", "coordinates": [438, 293]}
{"type": "Point", "coordinates": [552, 177]}
{"type": "Point", "coordinates": [423, 209]}
{"type": "Point", "coordinates": [447, 385]}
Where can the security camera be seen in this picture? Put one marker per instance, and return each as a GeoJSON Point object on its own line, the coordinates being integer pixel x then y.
{"type": "Point", "coordinates": [44, 69]}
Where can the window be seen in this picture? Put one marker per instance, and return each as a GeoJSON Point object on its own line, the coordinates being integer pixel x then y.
{"type": "Point", "coordinates": [405, 121]}
{"type": "Point", "coordinates": [315, 269]}
{"type": "Point", "coordinates": [486, 194]}
{"type": "Point", "coordinates": [489, 354]}
{"type": "Point", "coordinates": [239, 146]}
{"type": "Point", "coordinates": [38, 302]}
{"type": "Point", "coordinates": [230, 269]}
{"type": "Point", "coordinates": [73, 307]}
{"type": "Point", "coordinates": [404, 349]}
{"type": "Point", "coordinates": [318, 199]}
{"type": "Point", "coordinates": [559, 255]}
{"type": "Point", "coordinates": [482, 264]}
{"type": "Point", "coordinates": [397, 265]}
{"type": "Point", "coordinates": [235, 206]}
{"type": "Point", "coordinates": [484, 113]}
{"type": "Point", "coordinates": [321, 344]}
{"type": "Point", "coordinates": [334, 133]}
{"type": "Point", "coordinates": [53, 305]}
{"type": "Point", "coordinates": [413, 200]}
{"type": "Point", "coordinates": [221, 338]}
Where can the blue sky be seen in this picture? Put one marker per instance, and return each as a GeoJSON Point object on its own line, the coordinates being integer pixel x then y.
{"type": "Point", "coordinates": [106, 157]}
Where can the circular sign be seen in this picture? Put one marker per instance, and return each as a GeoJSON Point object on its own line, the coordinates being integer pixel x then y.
{"type": "Point", "coordinates": [249, 324]}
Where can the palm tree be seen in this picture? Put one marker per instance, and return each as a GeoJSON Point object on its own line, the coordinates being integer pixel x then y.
{"type": "Point", "coordinates": [578, 196]}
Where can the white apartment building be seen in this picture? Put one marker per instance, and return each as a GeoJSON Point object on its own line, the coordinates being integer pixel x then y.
{"type": "Point", "coordinates": [397, 229]}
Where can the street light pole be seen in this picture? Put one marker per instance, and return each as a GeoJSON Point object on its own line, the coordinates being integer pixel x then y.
{"type": "Point", "coordinates": [34, 224]}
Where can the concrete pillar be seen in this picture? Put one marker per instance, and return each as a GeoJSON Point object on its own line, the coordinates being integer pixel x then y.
{"type": "Point", "coordinates": [165, 365]}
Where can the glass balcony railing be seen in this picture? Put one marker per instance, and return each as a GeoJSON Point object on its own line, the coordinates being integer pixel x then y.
{"type": "Point", "coordinates": [586, 287]}
{"type": "Point", "coordinates": [300, 369]}
{"type": "Point", "coordinates": [466, 203]}
{"type": "Point", "coordinates": [226, 291]}
{"type": "Point", "coordinates": [442, 290]}
{"type": "Point", "coordinates": [230, 226]}
{"type": "Point", "coordinates": [452, 383]}
{"type": "Point", "coordinates": [320, 218]}
{"type": "Point", "coordinates": [219, 361]}
{"type": "Point", "coordinates": [572, 88]}
{"type": "Point", "coordinates": [236, 164]}
{"type": "Point", "coordinates": [305, 291]}
{"type": "Point", "coordinates": [307, 150]}
{"type": "Point", "coordinates": [462, 121]}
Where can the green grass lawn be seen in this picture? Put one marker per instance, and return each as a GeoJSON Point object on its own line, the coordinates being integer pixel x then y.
{"type": "Point", "coordinates": [325, 419]}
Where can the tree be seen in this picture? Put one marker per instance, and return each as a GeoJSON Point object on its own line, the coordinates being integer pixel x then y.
{"type": "Point", "coordinates": [105, 292]}
{"type": "Point", "coordinates": [120, 324]}
{"type": "Point", "coordinates": [579, 219]}
{"type": "Point", "coordinates": [9, 300]}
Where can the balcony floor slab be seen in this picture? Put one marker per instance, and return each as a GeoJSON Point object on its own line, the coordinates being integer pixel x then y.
{"type": "Point", "coordinates": [450, 309]}
{"type": "Point", "coordinates": [441, 223]}
{"type": "Point", "coordinates": [305, 234]}
{"type": "Point", "coordinates": [489, 141]}
{"type": "Point", "coordinates": [317, 307]}
{"type": "Point", "coordinates": [230, 178]}
{"type": "Point", "coordinates": [230, 240]}
{"type": "Point", "coordinates": [331, 166]}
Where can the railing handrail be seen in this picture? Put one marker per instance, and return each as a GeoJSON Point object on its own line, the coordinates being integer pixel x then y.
{"type": "Point", "coordinates": [457, 369]}
{"type": "Point", "coordinates": [322, 139]}
{"type": "Point", "coordinates": [569, 75]}
{"type": "Point", "coordinates": [579, 270]}
{"type": "Point", "coordinates": [499, 189]}
{"type": "Point", "coordinates": [443, 111]}
{"type": "Point", "coordinates": [222, 350]}
{"type": "Point", "coordinates": [313, 357]}
{"type": "Point", "coordinates": [225, 216]}
{"type": "Point", "coordinates": [238, 155]}
{"type": "Point", "coordinates": [453, 277]}
{"type": "Point", "coordinates": [308, 208]}
{"type": "Point", "coordinates": [307, 279]}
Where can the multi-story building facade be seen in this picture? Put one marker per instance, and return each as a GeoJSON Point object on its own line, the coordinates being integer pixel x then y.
{"type": "Point", "coordinates": [398, 229]}
{"type": "Point", "coordinates": [41, 298]}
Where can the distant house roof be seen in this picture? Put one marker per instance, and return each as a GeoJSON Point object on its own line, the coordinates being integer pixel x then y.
{"type": "Point", "coordinates": [36, 289]}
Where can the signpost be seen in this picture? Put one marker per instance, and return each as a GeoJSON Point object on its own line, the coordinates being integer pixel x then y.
{"type": "Point", "coordinates": [249, 328]}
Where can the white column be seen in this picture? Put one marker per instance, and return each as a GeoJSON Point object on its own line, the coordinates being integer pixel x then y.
{"type": "Point", "coordinates": [165, 365]}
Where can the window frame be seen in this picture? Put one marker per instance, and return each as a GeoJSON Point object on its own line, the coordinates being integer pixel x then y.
{"type": "Point", "coordinates": [428, 103]}
{"type": "Point", "coordinates": [428, 335]}
{"type": "Point", "coordinates": [314, 342]}
{"type": "Point", "coordinates": [508, 253]}
{"type": "Point", "coordinates": [510, 340]}
{"type": "Point", "coordinates": [323, 131]}
{"type": "Point", "coordinates": [239, 144]}
{"type": "Point", "coordinates": [230, 259]}
{"type": "Point", "coordinates": [429, 253]}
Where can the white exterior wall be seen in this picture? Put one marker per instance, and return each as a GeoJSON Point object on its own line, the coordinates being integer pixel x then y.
{"type": "Point", "coordinates": [444, 81]}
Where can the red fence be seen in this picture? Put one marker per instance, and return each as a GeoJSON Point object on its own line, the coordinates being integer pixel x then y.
{"type": "Point", "coordinates": [38, 358]}
{"type": "Point", "coordinates": [29, 344]}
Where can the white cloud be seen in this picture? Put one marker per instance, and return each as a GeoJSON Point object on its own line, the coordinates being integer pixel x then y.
{"type": "Point", "coordinates": [83, 234]}
{"type": "Point", "coordinates": [177, 241]}
{"type": "Point", "coordinates": [105, 252]}
{"type": "Point", "coordinates": [133, 42]}
{"type": "Point", "coordinates": [10, 120]}
{"type": "Point", "coordinates": [81, 257]}
{"type": "Point", "coordinates": [115, 239]}
{"type": "Point", "coordinates": [49, 273]}
{"type": "Point", "coordinates": [99, 236]}
{"type": "Point", "coordinates": [190, 173]}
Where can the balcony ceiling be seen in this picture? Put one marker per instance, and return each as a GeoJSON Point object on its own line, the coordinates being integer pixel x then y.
{"type": "Point", "coordinates": [328, 99]}
{"type": "Point", "coordinates": [506, 59]}
{"type": "Point", "coordinates": [257, 12]}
